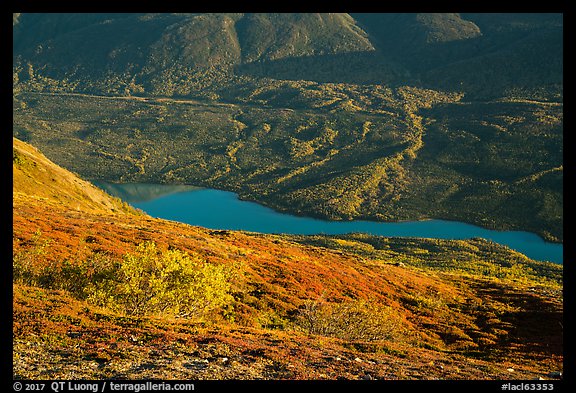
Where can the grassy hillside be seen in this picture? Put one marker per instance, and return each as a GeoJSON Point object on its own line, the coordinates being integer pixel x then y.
{"type": "Point", "coordinates": [351, 307]}
{"type": "Point", "coordinates": [34, 176]}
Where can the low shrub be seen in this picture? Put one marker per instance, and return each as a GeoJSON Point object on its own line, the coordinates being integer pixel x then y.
{"type": "Point", "coordinates": [154, 282]}
{"type": "Point", "coordinates": [358, 320]}
{"type": "Point", "coordinates": [148, 281]}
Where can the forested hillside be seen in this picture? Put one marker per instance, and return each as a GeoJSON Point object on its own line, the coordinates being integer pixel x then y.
{"type": "Point", "coordinates": [340, 116]}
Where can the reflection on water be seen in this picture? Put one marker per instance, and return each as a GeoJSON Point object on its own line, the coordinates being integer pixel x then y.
{"type": "Point", "coordinates": [216, 209]}
{"type": "Point", "coordinates": [141, 192]}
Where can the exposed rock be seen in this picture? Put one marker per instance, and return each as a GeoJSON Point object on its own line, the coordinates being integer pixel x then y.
{"type": "Point", "coordinates": [555, 374]}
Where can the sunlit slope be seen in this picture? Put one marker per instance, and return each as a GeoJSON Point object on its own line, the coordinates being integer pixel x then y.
{"type": "Point", "coordinates": [285, 290]}
{"type": "Point", "coordinates": [36, 177]}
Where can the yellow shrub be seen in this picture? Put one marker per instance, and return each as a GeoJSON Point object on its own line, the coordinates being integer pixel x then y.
{"type": "Point", "coordinates": [350, 320]}
{"type": "Point", "coordinates": [154, 282]}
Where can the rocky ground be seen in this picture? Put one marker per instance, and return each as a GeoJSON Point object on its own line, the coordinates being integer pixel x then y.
{"type": "Point", "coordinates": [56, 337]}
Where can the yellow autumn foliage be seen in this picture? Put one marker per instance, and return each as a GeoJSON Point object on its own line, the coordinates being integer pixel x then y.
{"type": "Point", "coordinates": [154, 282]}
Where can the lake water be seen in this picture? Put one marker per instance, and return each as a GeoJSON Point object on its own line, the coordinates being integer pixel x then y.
{"type": "Point", "coordinates": [217, 209]}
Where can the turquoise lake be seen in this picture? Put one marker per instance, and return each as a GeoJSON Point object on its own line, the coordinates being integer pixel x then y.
{"type": "Point", "coordinates": [217, 209]}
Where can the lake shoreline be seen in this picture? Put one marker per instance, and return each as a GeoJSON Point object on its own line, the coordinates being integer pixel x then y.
{"type": "Point", "coordinates": [304, 214]}
{"type": "Point", "coordinates": [226, 210]}
{"type": "Point", "coordinates": [299, 213]}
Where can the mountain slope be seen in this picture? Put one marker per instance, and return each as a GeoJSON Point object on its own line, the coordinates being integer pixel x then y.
{"type": "Point", "coordinates": [382, 117]}
{"type": "Point", "coordinates": [170, 53]}
{"type": "Point", "coordinates": [485, 55]}
{"type": "Point", "coordinates": [36, 176]}
{"type": "Point", "coordinates": [467, 315]}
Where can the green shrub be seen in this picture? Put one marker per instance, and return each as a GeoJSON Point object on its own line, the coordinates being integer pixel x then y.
{"type": "Point", "coordinates": [349, 320]}
{"type": "Point", "coordinates": [154, 282]}
{"type": "Point", "coordinates": [148, 281]}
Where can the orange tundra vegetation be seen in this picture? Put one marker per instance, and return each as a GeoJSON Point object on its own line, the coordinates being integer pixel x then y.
{"type": "Point", "coordinates": [295, 311]}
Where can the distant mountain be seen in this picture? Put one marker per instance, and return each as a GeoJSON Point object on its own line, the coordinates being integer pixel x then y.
{"type": "Point", "coordinates": [482, 54]}
{"type": "Point", "coordinates": [200, 39]}
{"type": "Point", "coordinates": [485, 55]}
{"type": "Point", "coordinates": [151, 49]}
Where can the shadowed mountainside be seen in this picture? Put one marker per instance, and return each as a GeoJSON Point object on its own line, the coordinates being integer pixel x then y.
{"type": "Point", "coordinates": [484, 55]}
{"type": "Point", "coordinates": [340, 116]}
